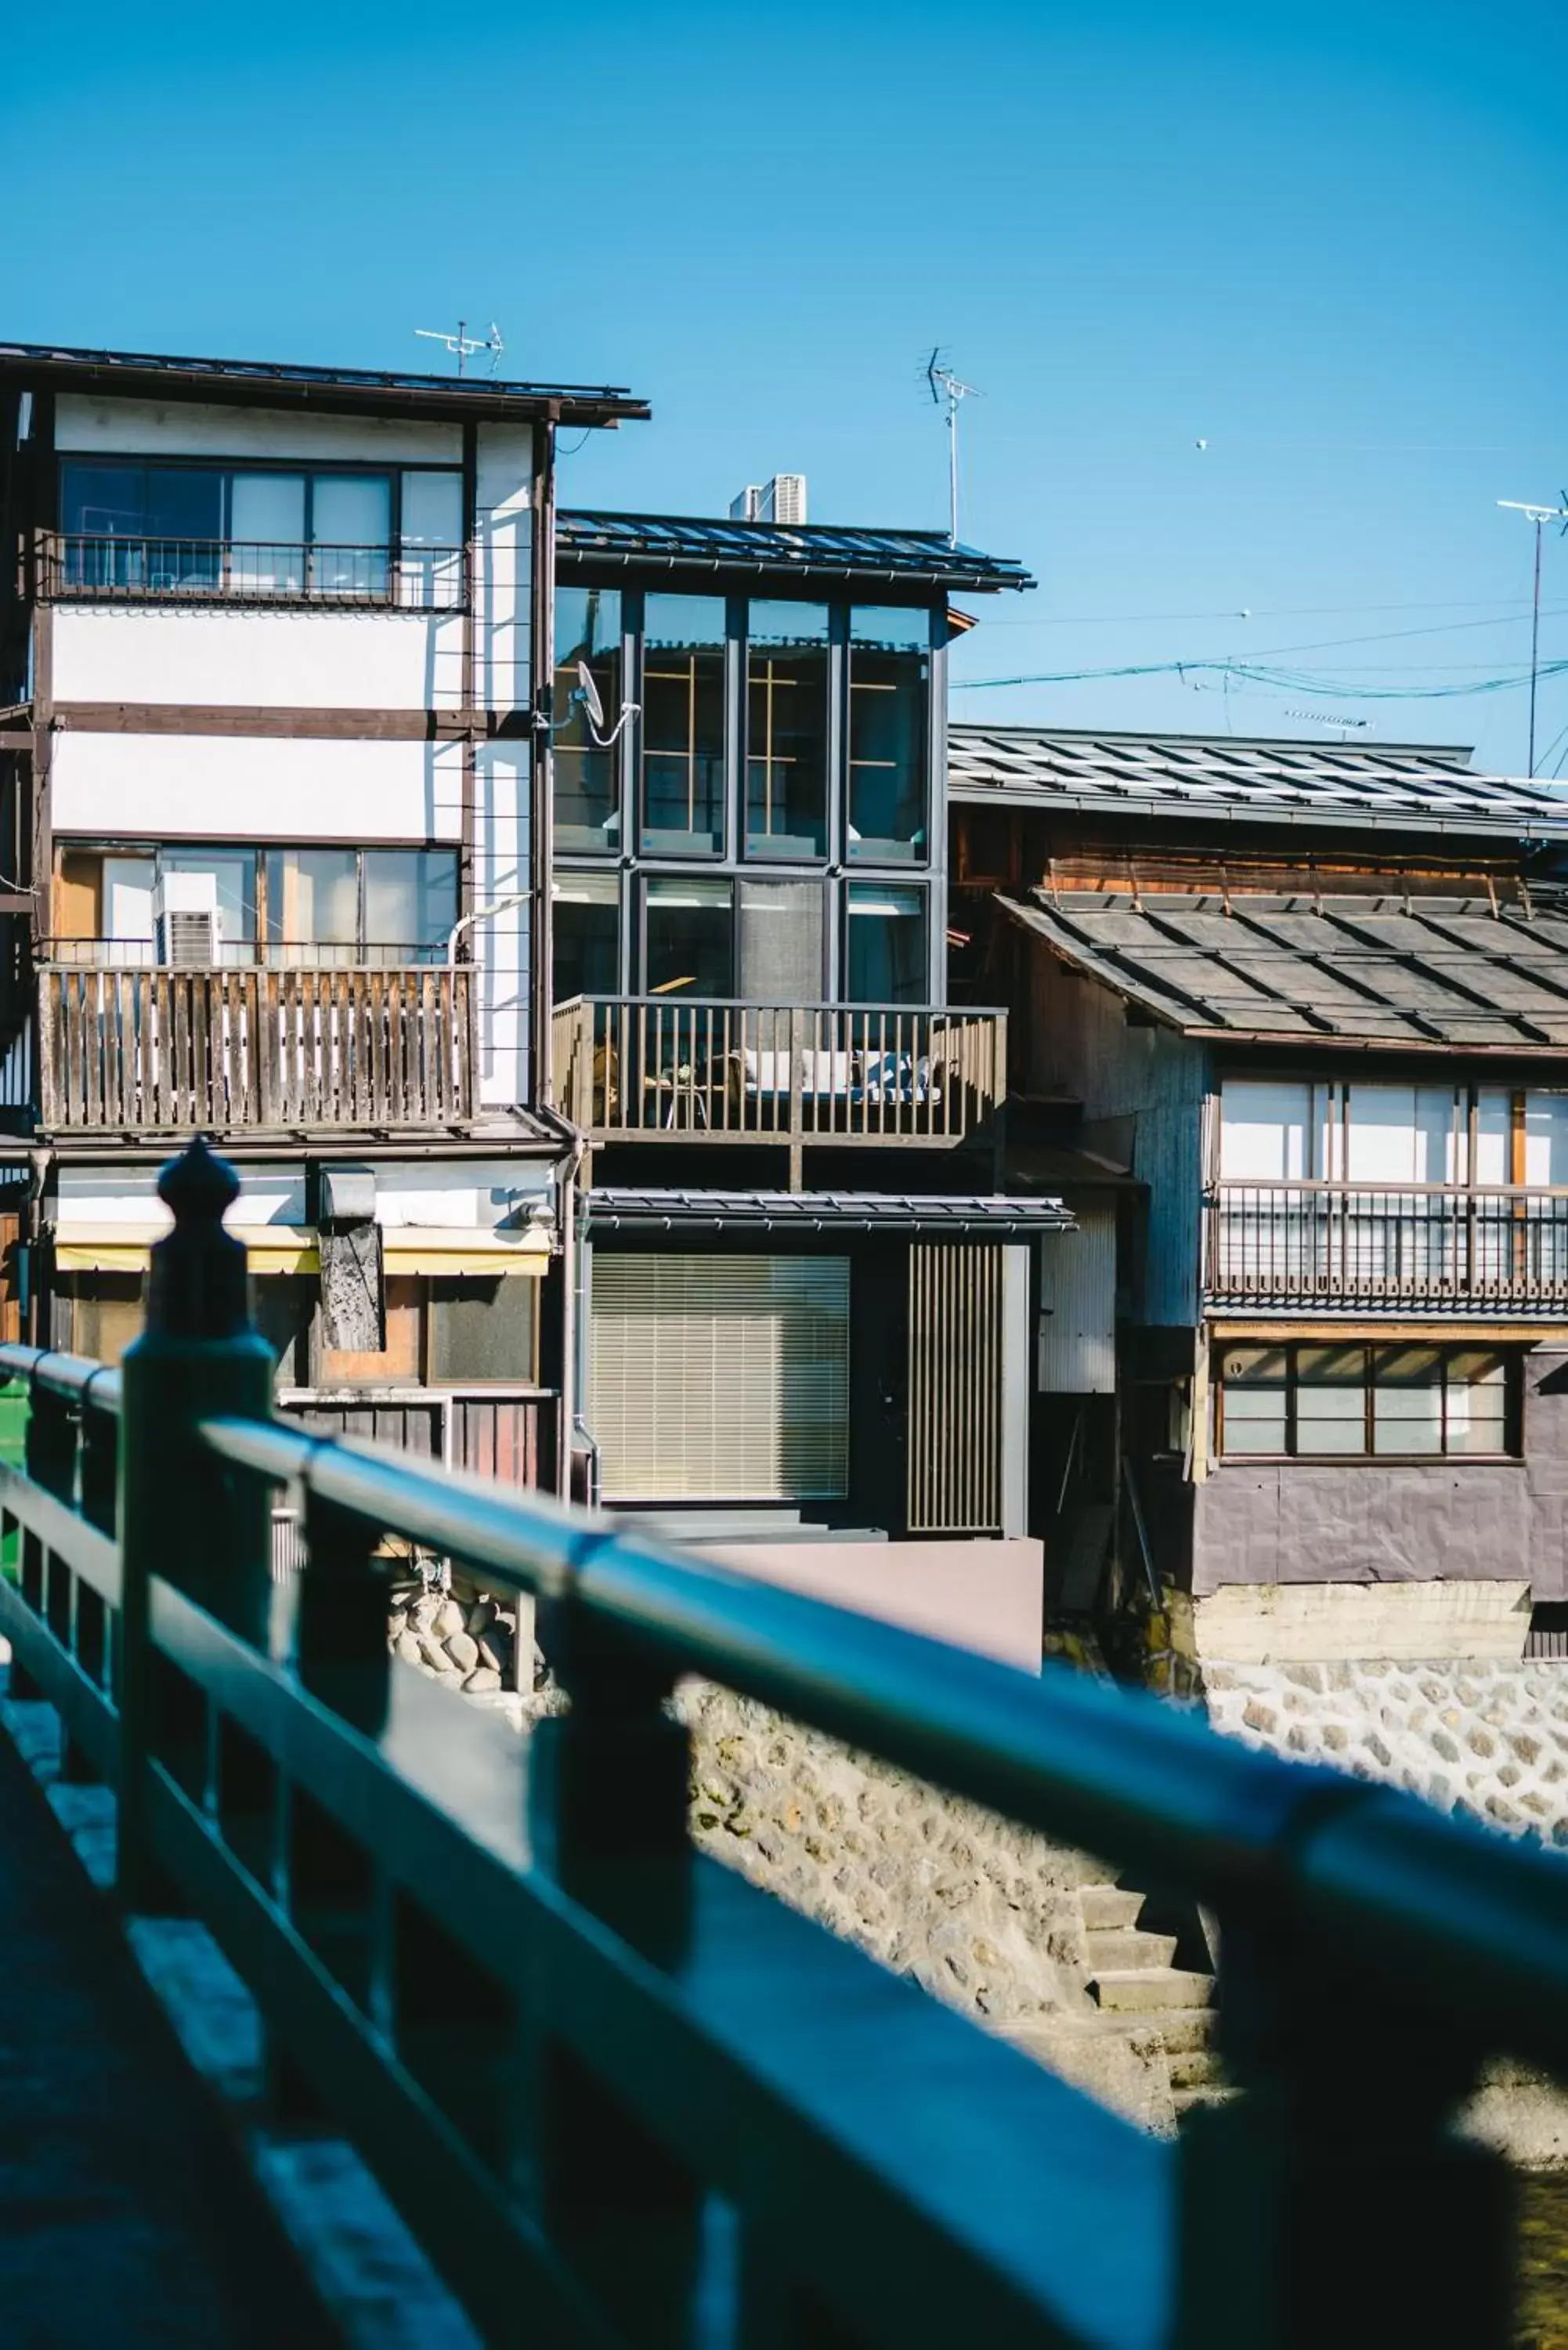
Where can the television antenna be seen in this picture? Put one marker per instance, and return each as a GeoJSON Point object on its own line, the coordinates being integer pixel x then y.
{"type": "Point", "coordinates": [947, 390]}
{"type": "Point", "coordinates": [462, 345]}
{"type": "Point", "coordinates": [1538, 516]}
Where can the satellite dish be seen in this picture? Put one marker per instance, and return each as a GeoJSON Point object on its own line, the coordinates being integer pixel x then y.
{"type": "Point", "coordinates": [588, 695]}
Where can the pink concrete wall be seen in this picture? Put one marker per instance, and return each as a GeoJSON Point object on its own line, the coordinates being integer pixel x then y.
{"type": "Point", "coordinates": [986, 1595]}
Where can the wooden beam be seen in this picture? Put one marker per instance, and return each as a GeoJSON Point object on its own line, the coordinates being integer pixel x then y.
{"type": "Point", "coordinates": [285, 722]}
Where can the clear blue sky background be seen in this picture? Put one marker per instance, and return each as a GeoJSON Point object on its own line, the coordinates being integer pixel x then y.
{"type": "Point", "coordinates": [1329, 242]}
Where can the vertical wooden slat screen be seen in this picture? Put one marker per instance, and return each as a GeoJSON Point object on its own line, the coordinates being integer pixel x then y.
{"type": "Point", "coordinates": [954, 1459]}
{"type": "Point", "coordinates": [720, 1379]}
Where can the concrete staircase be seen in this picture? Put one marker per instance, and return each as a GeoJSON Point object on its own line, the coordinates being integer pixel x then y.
{"type": "Point", "coordinates": [1132, 1975]}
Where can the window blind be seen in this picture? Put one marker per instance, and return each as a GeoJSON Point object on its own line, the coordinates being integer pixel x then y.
{"type": "Point", "coordinates": [721, 1377]}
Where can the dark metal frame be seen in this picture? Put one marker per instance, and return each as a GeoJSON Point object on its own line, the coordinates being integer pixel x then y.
{"type": "Point", "coordinates": [1511, 1454]}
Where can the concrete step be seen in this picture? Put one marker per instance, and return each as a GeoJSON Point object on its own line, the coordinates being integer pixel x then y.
{"type": "Point", "coordinates": [1121, 1947]}
{"type": "Point", "coordinates": [1185, 2030]}
{"type": "Point", "coordinates": [1106, 1905]}
{"type": "Point", "coordinates": [1195, 2068]}
{"type": "Point", "coordinates": [1147, 1990]}
{"type": "Point", "coordinates": [1187, 2101]}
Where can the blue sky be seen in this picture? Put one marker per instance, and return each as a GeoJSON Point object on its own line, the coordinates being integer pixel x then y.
{"type": "Point", "coordinates": [1326, 241]}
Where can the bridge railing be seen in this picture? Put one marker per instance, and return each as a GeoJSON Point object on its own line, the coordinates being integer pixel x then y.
{"type": "Point", "coordinates": [683, 2115]}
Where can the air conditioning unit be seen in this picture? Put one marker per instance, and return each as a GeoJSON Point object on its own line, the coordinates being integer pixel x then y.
{"type": "Point", "coordinates": [185, 919]}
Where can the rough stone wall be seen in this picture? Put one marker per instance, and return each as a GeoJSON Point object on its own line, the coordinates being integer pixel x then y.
{"type": "Point", "coordinates": [983, 1914]}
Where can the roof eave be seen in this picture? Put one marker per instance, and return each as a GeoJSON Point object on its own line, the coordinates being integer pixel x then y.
{"type": "Point", "coordinates": [969, 793]}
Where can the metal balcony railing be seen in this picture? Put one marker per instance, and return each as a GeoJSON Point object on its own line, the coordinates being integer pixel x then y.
{"type": "Point", "coordinates": [252, 571]}
{"type": "Point", "coordinates": [158, 1051]}
{"type": "Point", "coordinates": [1372, 1243]}
{"type": "Point", "coordinates": [686, 2114]}
{"type": "Point", "coordinates": [651, 1069]}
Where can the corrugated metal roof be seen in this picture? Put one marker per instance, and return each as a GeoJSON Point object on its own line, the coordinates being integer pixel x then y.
{"type": "Point", "coordinates": [613, 1209]}
{"type": "Point", "coordinates": [811, 550]}
{"type": "Point", "coordinates": [1422, 975]}
{"type": "Point", "coordinates": [1418, 786]}
{"type": "Point", "coordinates": [273, 383]}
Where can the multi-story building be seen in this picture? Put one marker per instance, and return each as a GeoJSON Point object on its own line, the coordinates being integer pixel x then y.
{"type": "Point", "coordinates": [276, 759]}
{"type": "Point", "coordinates": [1312, 1002]}
{"type": "Point", "coordinates": [809, 1307]}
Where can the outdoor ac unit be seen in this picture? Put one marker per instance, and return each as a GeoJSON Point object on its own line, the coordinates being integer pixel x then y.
{"type": "Point", "coordinates": [185, 919]}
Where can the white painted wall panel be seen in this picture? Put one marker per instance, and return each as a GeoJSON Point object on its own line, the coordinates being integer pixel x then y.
{"type": "Point", "coordinates": [503, 527]}
{"type": "Point", "coordinates": [85, 423]}
{"type": "Point", "coordinates": [501, 870]}
{"type": "Point", "coordinates": [313, 661]}
{"type": "Point", "coordinates": [1078, 1353]}
{"type": "Point", "coordinates": [196, 787]}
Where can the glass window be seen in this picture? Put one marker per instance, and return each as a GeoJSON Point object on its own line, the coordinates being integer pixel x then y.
{"type": "Point", "coordinates": [266, 533]}
{"type": "Point", "coordinates": [171, 518]}
{"type": "Point", "coordinates": [350, 531]}
{"type": "Point", "coordinates": [483, 1331]}
{"type": "Point", "coordinates": [410, 898]}
{"type": "Point", "coordinates": [889, 696]}
{"type": "Point", "coordinates": [781, 941]}
{"type": "Point", "coordinates": [886, 946]}
{"type": "Point", "coordinates": [234, 874]}
{"type": "Point", "coordinates": [586, 935]}
{"type": "Point", "coordinates": [1331, 1400]}
{"type": "Point", "coordinates": [1476, 1403]}
{"type": "Point", "coordinates": [1256, 1400]}
{"type": "Point", "coordinates": [683, 726]}
{"type": "Point", "coordinates": [587, 777]}
{"type": "Point", "coordinates": [429, 562]}
{"type": "Point", "coordinates": [312, 900]}
{"type": "Point", "coordinates": [103, 501]}
{"type": "Point", "coordinates": [1408, 1400]}
{"type": "Point", "coordinates": [786, 730]}
{"type": "Point", "coordinates": [690, 938]}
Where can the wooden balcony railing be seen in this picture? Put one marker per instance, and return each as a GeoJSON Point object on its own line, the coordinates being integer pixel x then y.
{"type": "Point", "coordinates": [1374, 1243]}
{"type": "Point", "coordinates": [652, 1068]}
{"type": "Point", "coordinates": [163, 1051]}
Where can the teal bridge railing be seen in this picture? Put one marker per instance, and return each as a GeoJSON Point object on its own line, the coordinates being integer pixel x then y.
{"type": "Point", "coordinates": [696, 2118]}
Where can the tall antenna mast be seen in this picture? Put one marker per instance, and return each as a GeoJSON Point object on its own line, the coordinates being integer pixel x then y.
{"type": "Point", "coordinates": [462, 345]}
{"type": "Point", "coordinates": [1537, 515]}
{"type": "Point", "coordinates": [946, 387]}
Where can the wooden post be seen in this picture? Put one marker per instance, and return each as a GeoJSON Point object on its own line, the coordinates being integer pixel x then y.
{"type": "Point", "coordinates": [182, 1515]}
{"type": "Point", "coordinates": [607, 1796]}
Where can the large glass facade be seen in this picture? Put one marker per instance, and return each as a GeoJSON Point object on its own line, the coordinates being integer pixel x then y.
{"type": "Point", "coordinates": [889, 697]}
{"type": "Point", "coordinates": [584, 935]}
{"type": "Point", "coordinates": [683, 768]}
{"type": "Point", "coordinates": [689, 946]}
{"type": "Point", "coordinates": [786, 730]}
{"type": "Point", "coordinates": [587, 776]}
{"type": "Point", "coordinates": [886, 947]}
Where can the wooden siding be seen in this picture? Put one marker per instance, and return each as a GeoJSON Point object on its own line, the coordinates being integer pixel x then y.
{"type": "Point", "coordinates": [158, 1050]}
{"type": "Point", "coordinates": [509, 1437]}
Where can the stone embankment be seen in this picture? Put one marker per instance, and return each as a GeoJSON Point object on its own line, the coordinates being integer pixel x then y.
{"type": "Point", "coordinates": [462, 1636]}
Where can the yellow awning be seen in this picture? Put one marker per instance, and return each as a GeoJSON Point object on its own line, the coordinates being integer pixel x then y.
{"type": "Point", "coordinates": [291, 1248]}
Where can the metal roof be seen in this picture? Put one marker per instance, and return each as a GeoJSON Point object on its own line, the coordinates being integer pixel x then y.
{"type": "Point", "coordinates": [1421, 787]}
{"type": "Point", "coordinates": [1392, 974]}
{"type": "Point", "coordinates": [618, 1210]}
{"type": "Point", "coordinates": [266, 383]}
{"type": "Point", "coordinates": [812, 550]}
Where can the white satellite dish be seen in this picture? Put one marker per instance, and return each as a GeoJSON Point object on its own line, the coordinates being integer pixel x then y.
{"type": "Point", "coordinates": [588, 695]}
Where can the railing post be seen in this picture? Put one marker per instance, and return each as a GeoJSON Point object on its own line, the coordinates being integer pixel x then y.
{"type": "Point", "coordinates": [797, 1101]}
{"type": "Point", "coordinates": [609, 1792]}
{"type": "Point", "coordinates": [1331, 2202]}
{"type": "Point", "coordinates": [181, 1516]}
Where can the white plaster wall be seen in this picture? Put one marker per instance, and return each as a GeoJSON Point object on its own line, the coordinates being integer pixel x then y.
{"type": "Point", "coordinates": [462, 1195]}
{"type": "Point", "coordinates": [85, 423]}
{"type": "Point", "coordinates": [272, 1194]}
{"type": "Point", "coordinates": [501, 870]}
{"type": "Point", "coordinates": [312, 660]}
{"type": "Point", "coordinates": [205, 788]}
{"type": "Point", "coordinates": [503, 528]}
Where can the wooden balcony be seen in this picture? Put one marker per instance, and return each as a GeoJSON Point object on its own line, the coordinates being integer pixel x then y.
{"type": "Point", "coordinates": [153, 1051]}
{"type": "Point", "coordinates": [661, 1068]}
{"type": "Point", "coordinates": [1422, 1246]}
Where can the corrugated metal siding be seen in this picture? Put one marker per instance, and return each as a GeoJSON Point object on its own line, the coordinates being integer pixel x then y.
{"type": "Point", "coordinates": [1077, 1349]}
{"type": "Point", "coordinates": [720, 1379]}
{"type": "Point", "coordinates": [955, 1436]}
{"type": "Point", "coordinates": [1143, 1089]}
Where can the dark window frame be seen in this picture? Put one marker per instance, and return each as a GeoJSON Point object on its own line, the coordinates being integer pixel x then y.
{"type": "Point", "coordinates": [1512, 1359]}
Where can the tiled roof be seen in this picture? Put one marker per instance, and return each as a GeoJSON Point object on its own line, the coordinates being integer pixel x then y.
{"type": "Point", "coordinates": [616, 1209]}
{"type": "Point", "coordinates": [810, 550]}
{"type": "Point", "coordinates": [1422, 975]}
{"type": "Point", "coordinates": [1419, 787]}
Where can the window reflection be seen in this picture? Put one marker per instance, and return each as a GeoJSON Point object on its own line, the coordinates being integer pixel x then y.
{"type": "Point", "coordinates": [786, 730]}
{"type": "Point", "coordinates": [690, 937]}
{"type": "Point", "coordinates": [683, 726]}
{"type": "Point", "coordinates": [890, 689]}
{"type": "Point", "coordinates": [587, 786]}
{"type": "Point", "coordinates": [586, 935]}
{"type": "Point", "coordinates": [887, 944]}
